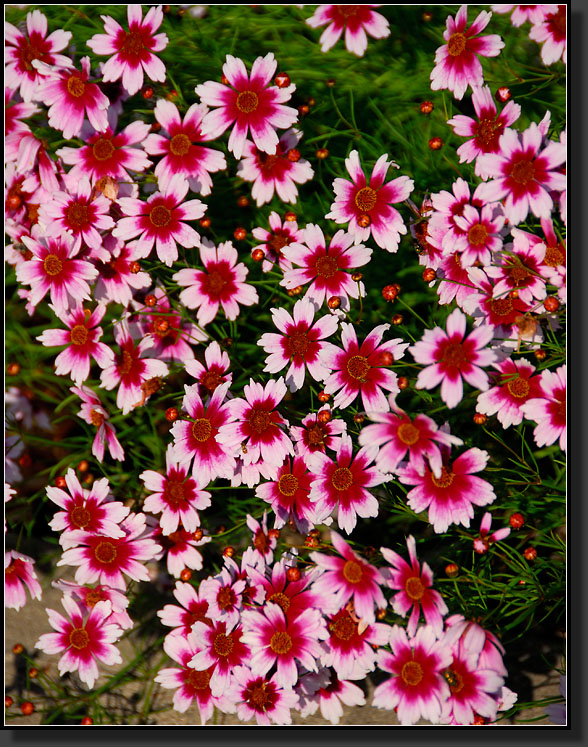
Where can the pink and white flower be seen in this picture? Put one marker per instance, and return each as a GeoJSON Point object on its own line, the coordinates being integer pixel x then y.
{"type": "Point", "coordinates": [513, 387]}
{"type": "Point", "coordinates": [281, 234]}
{"type": "Point", "coordinates": [518, 268]}
{"type": "Point", "coordinates": [117, 279]}
{"type": "Point", "coordinates": [220, 648]}
{"type": "Point", "coordinates": [89, 596]}
{"type": "Point", "coordinates": [182, 151]}
{"type": "Point", "coordinates": [483, 542]}
{"type": "Point", "coordinates": [192, 609]}
{"type": "Point", "coordinates": [14, 129]}
{"type": "Point", "coordinates": [549, 409]}
{"type": "Point", "coordinates": [351, 643]}
{"type": "Point", "coordinates": [221, 283]}
{"type": "Point", "coordinates": [275, 172]}
{"type": "Point", "coordinates": [132, 49]}
{"type": "Point", "coordinates": [261, 697]}
{"type": "Point", "coordinates": [94, 414]}
{"type": "Point", "coordinates": [316, 436]}
{"type": "Point", "coordinates": [212, 374]}
{"type": "Point", "coordinates": [224, 594]}
{"type": "Point", "coordinates": [288, 495]}
{"type": "Point", "coordinates": [456, 63]}
{"type": "Point", "coordinates": [19, 572]}
{"type": "Point", "coordinates": [452, 355]}
{"type": "Point", "coordinates": [249, 103]}
{"type": "Point", "coordinates": [442, 228]}
{"type": "Point", "coordinates": [263, 543]}
{"type": "Point", "coordinates": [482, 234]}
{"type": "Point", "coordinates": [551, 32]}
{"type": "Point", "coordinates": [292, 596]}
{"type": "Point", "coordinates": [180, 549]}
{"type": "Point", "coordinates": [358, 21]}
{"type": "Point", "coordinates": [331, 695]}
{"type": "Point", "coordinates": [522, 13]}
{"type": "Point", "coordinates": [367, 207]}
{"type": "Point", "coordinates": [83, 641]}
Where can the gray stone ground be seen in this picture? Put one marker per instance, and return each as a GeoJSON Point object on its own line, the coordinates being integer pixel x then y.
{"type": "Point", "coordinates": [534, 680]}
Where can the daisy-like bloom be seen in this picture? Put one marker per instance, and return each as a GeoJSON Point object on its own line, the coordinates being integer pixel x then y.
{"type": "Point", "coordinates": [89, 596]}
{"type": "Point", "coordinates": [350, 577]}
{"type": "Point", "coordinates": [299, 343]}
{"type": "Point", "coordinates": [456, 63]}
{"type": "Point", "coordinates": [221, 283]}
{"type": "Point", "coordinates": [442, 228]}
{"type": "Point", "coordinates": [104, 559]}
{"type": "Point", "coordinates": [481, 234]}
{"type": "Point", "coordinates": [21, 51]}
{"type": "Point", "coordinates": [292, 596]}
{"type": "Point", "coordinates": [130, 370]}
{"type": "Point", "coordinates": [52, 268]}
{"type": "Point", "coordinates": [176, 496]}
{"type": "Point", "coordinates": [329, 694]}
{"type": "Point", "coordinates": [262, 698]}
{"type": "Point", "coordinates": [180, 548]}
{"type": "Point", "coordinates": [109, 154]}
{"type": "Point", "coordinates": [83, 641]}
{"type": "Point", "coordinates": [276, 638]}
{"type": "Point", "coordinates": [396, 434]}
{"type": "Point", "coordinates": [256, 431]}
{"type": "Point", "coordinates": [192, 609]}
{"type": "Point", "coordinates": [248, 102]}
{"type": "Point", "coordinates": [220, 648]}
{"type": "Point", "coordinates": [343, 483]}
{"type": "Point", "coordinates": [362, 369]}
{"type": "Point", "coordinates": [189, 684]}
{"type": "Point", "coordinates": [94, 414]}
{"type": "Point", "coordinates": [553, 267]}
{"type": "Point", "coordinates": [197, 438]}
{"type": "Point", "coordinates": [212, 374]}
{"type": "Point", "coordinates": [224, 594]}
{"type": "Point", "coordinates": [159, 220]}
{"type": "Point", "coordinates": [288, 495]}
{"type": "Point", "coordinates": [474, 636]}
{"type": "Point", "coordinates": [367, 207]}
{"type": "Point", "coordinates": [549, 409]}
{"type": "Point", "coordinates": [483, 542]}
{"type": "Point", "coordinates": [316, 436]}
{"type": "Point", "coordinates": [417, 688]}
{"type": "Point", "coordinates": [18, 573]}
{"type": "Point", "coordinates": [79, 212]}
{"type": "Point", "coordinates": [415, 589]}
{"type": "Point", "coordinates": [551, 33]}
{"type": "Point", "coordinates": [485, 132]}
{"type": "Point", "coordinates": [182, 151]}
{"type": "Point", "coordinates": [513, 386]}
{"type": "Point", "coordinates": [14, 129]}
{"type": "Point", "coordinates": [275, 172]}
{"type": "Point", "coordinates": [518, 268]}
{"type": "Point", "coordinates": [522, 13]}
{"type": "Point", "coordinates": [524, 173]}
{"type": "Point", "coordinates": [451, 496]}
{"type": "Point", "coordinates": [455, 283]}
{"type": "Point", "coordinates": [326, 268]}
{"type": "Point", "coordinates": [81, 337]}
{"type": "Point", "coordinates": [450, 355]}
{"type": "Point", "coordinates": [281, 234]}
{"type": "Point", "coordinates": [90, 510]}
{"type": "Point", "coordinates": [133, 49]}
{"type": "Point", "coordinates": [358, 21]}
{"type": "Point", "coordinates": [264, 543]}
{"type": "Point", "coordinates": [70, 98]}
{"type": "Point", "coordinates": [117, 276]}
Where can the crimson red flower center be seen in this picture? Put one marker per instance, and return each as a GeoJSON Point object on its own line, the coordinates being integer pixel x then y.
{"type": "Point", "coordinates": [77, 215]}
{"type": "Point", "coordinates": [412, 673]}
{"type": "Point", "coordinates": [344, 628]}
{"type": "Point", "coordinates": [316, 435]}
{"type": "Point", "coordinates": [226, 598]}
{"type": "Point", "coordinates": [105, 552]}
{"type": "Point", "coordinates": [518, 387]}
{"type": "Point", "coordinates": [414, 587]}
{"type": "Point", "coordinates": [29, 53]}
{"type": "Point", "coordinates": [408, 434]}
{"type": "Point", "coordinates": [103, 149]}
{"type": "Point", "coordinates": [79, 638]}
{"type": "Point", "coordinates": [357, 367]}
{"type": "Point", "coordinates": [517, 273]}
{"type": "Point", "coordinates": [180, 144]}
{"type": "Point", "coordinates": [76, 86]}
{"type": "Point", "coordinates": [477, 235]}
{"type": "Point", "coordinates": [281, 642]}
{"type": "Point", "coordinates": [298, 343]}
{"type": "Point", "coordinates": [456, 44]}
{"type": "Point", "coordinates": [366, 199]}
{"type": "Point", "coordinates": [278, 241]}
{"type": "Point", "coordinates": [198, 680]}
{"type": "Point", "coordinates": [94, 597]}
{"type": "Point", "coordinates": [261, 541]}
{"type": "Point", "coordinates": [326, 266]}
{"type": "Point", "coordinates": [558, 22]}
{"type": "Point", "coordinates": [523, 172]}
{"type": "Point", "coordinates": [79, 334]}
{"type": "Point", "coordinates": [288, 484]}
{"type": "Point", "coordinates": [445, 480]}
{"type": "Point", "coordinates": [126, 363]}
{"type": "Point", "coordinates": [281, 599]}
{"type": "Point", "coordinates": [501, 306]}
{"type": "Point", "coordinates": [52, 264]}
{"type": "Point", "coordinates": [454, 354]}
{"type": "Point", "coordinates": [247, 102]}
{"type": "Point", "coordinates": [174, 492]}
{"type": "Point", "coordinates": [160, 216]}
{"type": "Point", "coordinates": [342, 478]}
{"type": "Point", "coordinates": [553, 257]}
{"type": "Point", "coordinates": [561, 409]}
{"type": "Point", "coordinates": [214, 283]}
{"type": "Point", "coordinates": [259, 420]}
{"type": "Point", "coordinates": [257, 696]}
{"type": "Point", "coordinates": [353, 571]}
{"type": "Point", "coordinates": [223, 644]}
{"type": "Point", "coordinates": [133, 43]}
{"type": "Point", "coordinates": [211, 380]}
{"type": "Point", "coordinates": [202, 430]}
{"type": "Point", "coordinates": [80, 517]}
{"type": "Point", "coordinates": [348, 10]}
{"type": "Point", "coordinates": [488, 130]}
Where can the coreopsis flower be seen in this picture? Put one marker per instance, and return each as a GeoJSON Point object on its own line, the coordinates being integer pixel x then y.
{"type": "Point", "coordinates": [456, 63]}
{"type": "Point", "coordinates": [342, 484]}
{"type": "Point", "coordinates": [361, 369]}
{"type": "Point", "coordinates": [274, 172]}
{"type": "Point", "coordinates": [197, 438]}
{"type": "Point", "coordinates": [414, 585]}
{"type": "Point", "coordinates": [442, 228]}
{"type": "Point", "coordinates": [450, 496]}
{"type": "Point", "coordinates": [219, 649]}
{"type": "Point", "coordinates": [190, 684]}
{"type": "Point", "coordinates": [350, 578]}
{"type": "Point", "coordinates": [81, 337]}
{"type": "Point", "coordinates": [397, 434]}
{"type": "Point", "coordinates": [358, 22]}
{"type": "Point", "coordinates": [518, 268]}
{"type": "Point", "coordinates": [249, 103]}
{"type": "Point", "coordinates": [472, 690]}
{"type": "Point", "coordinates": [71, 97]}
{"type": "Point", "coordinates": [181, 150]}
{"type": "Point", "coordinates": [485, 539]}
{"type": "Point", "coordinates": [19, 572]}
{"type": "Point", "coordinates": [451, 355]}
{"type": "Point", "coordinates": [485, 132]}
{"type": "Point", "coordinates": [159, 220]}
{"type": "Point", "coordinates": [327, 692]}
{"type": "Point", "coordinates": [300, 343]}
{"type": "Point", "coordinates": [105, 559]}
{"type": "Point", "coordinates": [280, 235]}
{"type": "Point", "coordinates": [80, 212]}
{"type": "Point", "coordinates": [553, 266]}
{"type": "Point", "coordinates": [349, 649]}
{"type": "Point", "coordinates": [133, 49]}
{"type": "Point", "coordinates": [292, 596]}
{"type": "Point", "coordinates": [89, 596]}
{"type": "Point", "coordinates": [83, 641]}
{"type": "Point", "coordinates": [551, 32]}
{"type": "Point", "coordinates": [256, 431]}
{"type": "Point", "coordinates": [522, 13]}
{"type": "Point", "coordinates": [14, 129]}
{"type": "Point", "coordinates": [221, 283]}
{"type": "Point", "coordinates": [224, 594]}
{"type": "Point", "coordinates": [314, 435]}
{"type": "Point", "coordinates": [513, 386]}
{"type": "Point", "coordinates": [523, 173]}
{"type": "Point", "coordinates": [181, 550]}
{"type": "Point", "coordinates": [21, 51]}
{"type": "Point", "coordinates": [417, 688]}
{"type": "Point", "coordinates": [182, 617]}
{"type": "Point", "coordinates": [107, 154]}
{"type": "Point", "coordinates": [117, 279]}
{"type": "Point", "coordinates": [454, 282]}
{"type": "Point", "coordinates": [288, 495]}
{"type": "Point", "coordinates": [130, 370]}
{"type": "Point", "coordinates": [367, 207]}
{"type": "Point", "coordinates": [280, 639]}
{"type": "Point", "coordinates": [261, 697]}
{"type": "Point", "coordinates": [263, 545]}
{"type": "Point", "coordinates": [177, 497]}
{"type": "Point", "coordinates": [214, 373]}
{"type": "Point", "coordinates": [549, 409]}
{"type": "Point", "coordinates": [53, 267]}
{"type": "Point", "coordinates": [90, 510]}
{"type": "Point", "coordinates": [481, 235]}
{"type": "Point", "coordinates": [491, 651]}
{"type": "Point", "coordinates": [94, 414]}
